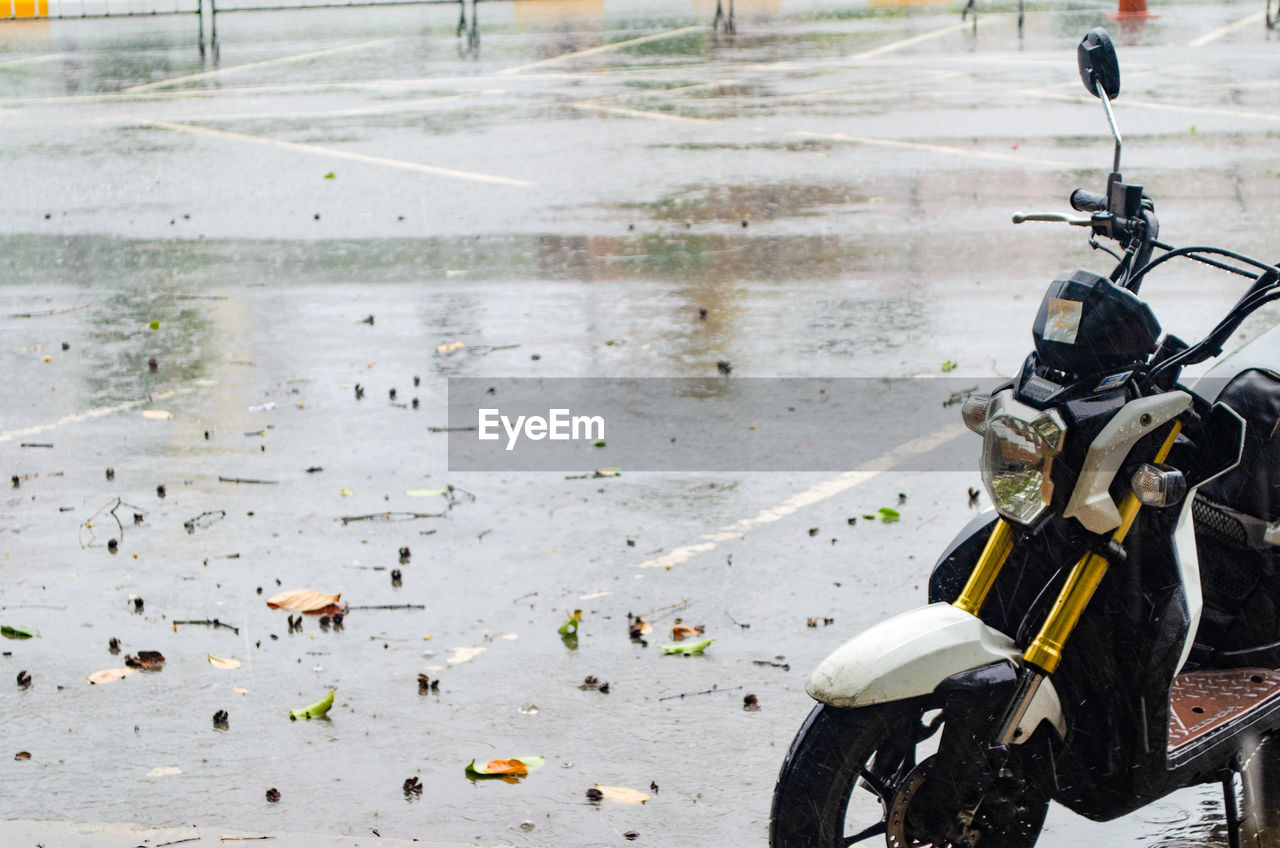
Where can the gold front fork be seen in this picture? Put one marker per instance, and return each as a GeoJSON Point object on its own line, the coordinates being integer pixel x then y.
{"type": "Point", "coordinates": [984, 574]}
{"type": "Point", "coordinates": [1045, 652]}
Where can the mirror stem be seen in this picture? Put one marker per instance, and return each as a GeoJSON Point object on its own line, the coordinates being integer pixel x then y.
{"type": "Point", "coordinates": [1111, 119]}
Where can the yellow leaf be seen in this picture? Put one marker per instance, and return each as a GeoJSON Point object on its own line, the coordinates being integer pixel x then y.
{"type": "Point", "coordinates": [450, 347]}
{"type": "Point", "coordinates": [108, 675]}
{"type": "Point", "coordinates": [302, 600]}
{"type": "Point", "coordinates": [346, 493]}
{"type": "Point", "coordinates": [219, 662]}
{"type": "Point", "coordinates": [240, 690]}
{"type": "Point", "coordinates": [623, 795]}
{"type": "Point", "coordinates": [157, 414]}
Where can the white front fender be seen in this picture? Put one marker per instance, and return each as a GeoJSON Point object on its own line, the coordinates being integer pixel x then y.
{"type": "Point", "coordinates": [910, 654]}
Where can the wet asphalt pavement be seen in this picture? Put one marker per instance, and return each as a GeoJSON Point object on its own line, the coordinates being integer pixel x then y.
{"type": "Point", "coordinates": [832, 185]}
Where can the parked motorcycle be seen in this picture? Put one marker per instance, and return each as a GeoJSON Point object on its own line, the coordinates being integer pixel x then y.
{"type": "Point", "coordinates": [1110, 634]}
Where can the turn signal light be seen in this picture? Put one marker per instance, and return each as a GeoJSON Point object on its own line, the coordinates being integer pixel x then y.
{"type": "Point", "coordinates": [1158, 485]}
{"type": "Point", "coordinates": [974, 413]}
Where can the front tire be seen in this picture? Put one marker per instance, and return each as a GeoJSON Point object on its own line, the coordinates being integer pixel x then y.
{"type": "Point", "coordinates": [845, 769]}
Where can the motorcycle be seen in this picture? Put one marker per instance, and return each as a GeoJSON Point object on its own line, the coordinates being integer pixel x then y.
{"type": "Point", "coordinates": [1110, 632]}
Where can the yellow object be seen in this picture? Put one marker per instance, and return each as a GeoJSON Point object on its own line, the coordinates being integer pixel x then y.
{"type": "Point", "coordinates": [1046, 651]}
{"type": "Point", "coordinates": [25, 8]}
{"type": "Point", "coordinates": [984, 574]}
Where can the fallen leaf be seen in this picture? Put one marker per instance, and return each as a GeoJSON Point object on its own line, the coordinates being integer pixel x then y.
{"type": "Point", "coordinates": [240, 690]}
{"type": "Point", "coordinates": [688, 648]}
{"type": "Point", "coordinates": [155, 325]}
{"type": "Point", "coordinates": [164, 771]}
{"type": "Point", "coordinates": [949, 365]}
{"type": "Point", "coordinates": [302, 600]}
{"type": "Point", "coordinates": [888, 515]}
{"type": "Point", "coordinates": [570, 627]}
{"type": "Point", "coordinates": [622, 794]}
{"type": "Point", "coordinates": [109, 675]}
{"type": "Point", "coordinates": [10, 632]}
{"type": "Point", "coordinates": [608, 471]}
{"type": "Point", "coordinates": [149, 660]}
{"type": "Point", "coordinates": [346, 493]}
{"type": "Point", "coordinates": [679, 631]}
{"type": "Point", "coordinates": [450, 347]}
{"type": "Point", "coordinates": [461, 655]}
{"type": "Point", "coordinates": [426, 493]}
{"type": "Point", "coordinates": [157, 414]}
{"type": "Point", "coordinates": [315, 710]}
{"type": "Point", "coordinates": [219, 662]}
{"type": "Point", "coordinates": [330, 176]}
{"type": "Point", "coordinates": [640, 627]}
{"type": "Point", "coordinates": [510, 770]}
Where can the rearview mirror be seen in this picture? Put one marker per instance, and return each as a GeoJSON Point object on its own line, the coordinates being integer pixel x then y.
{"type": "Point", "coordinates": [1096, 57]}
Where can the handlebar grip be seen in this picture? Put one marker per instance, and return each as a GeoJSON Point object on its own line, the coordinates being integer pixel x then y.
{"type": "Point", "coordinates": [1088, 201]}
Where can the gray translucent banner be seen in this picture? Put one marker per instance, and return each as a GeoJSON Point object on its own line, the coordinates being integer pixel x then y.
{"type": "Point", "coordinates": [711, 425]}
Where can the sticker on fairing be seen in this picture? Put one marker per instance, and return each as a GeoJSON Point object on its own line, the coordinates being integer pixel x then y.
{"type": "Point", "coordinates": [1063, 321]}
{"type": "Point", "coordinates": [1114, 381]}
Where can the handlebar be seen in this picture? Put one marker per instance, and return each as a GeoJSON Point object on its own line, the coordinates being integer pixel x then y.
{"type": "Point", "coordinates": [1088, 201]}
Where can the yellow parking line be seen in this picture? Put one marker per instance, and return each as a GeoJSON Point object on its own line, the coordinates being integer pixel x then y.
{"type": "Point", "coordinates": [343, 154]}
{"type": "Point", "coordinates": [564, 57]}
{"type": "Point", "coordinates": [329, 51]}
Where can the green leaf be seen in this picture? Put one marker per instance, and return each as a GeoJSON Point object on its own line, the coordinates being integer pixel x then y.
{"type": "Point", "coordinates": [155, 325]}
{"type": "Point", "coordinates": [687, 648]}
{"type": "Point", "coordinates": [330, 176]}
{"type": "Point", "coordinates": [17, 632]}
{"type": "Point", "coordinates": [870, 517]}
{"type": "Point", "coordinates": [888, 515]}
{"type": "Point", "coordinates": [570, 627]}
{"type": "Point", "coordinates": [599, 444]}
{"type": "Point", "coordinates": [315, 710]}
{"type": "Point", "coordinates": [949, 365]}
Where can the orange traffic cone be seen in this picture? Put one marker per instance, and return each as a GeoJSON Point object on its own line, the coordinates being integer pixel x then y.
{"type": "Point", "coordinates": [1131, 10]}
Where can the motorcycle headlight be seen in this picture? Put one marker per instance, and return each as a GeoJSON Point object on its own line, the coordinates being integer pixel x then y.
{"type": "Point", "coordinates": [1017, 456]}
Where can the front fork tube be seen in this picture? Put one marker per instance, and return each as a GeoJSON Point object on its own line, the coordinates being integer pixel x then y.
{"type": "Point", "coordinates": [1044, 654]}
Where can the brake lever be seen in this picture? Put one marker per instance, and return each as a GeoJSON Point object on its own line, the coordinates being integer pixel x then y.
{"type": "Point", "coordinates": [1051, 217]}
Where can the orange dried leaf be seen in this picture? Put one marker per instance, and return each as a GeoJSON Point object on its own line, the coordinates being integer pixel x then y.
{"type": "Point", "coordinates": [302, 600]}
{"type": "Point", "coordinates": [682, 630]}
{"type": "Point", "coordinates": [511, 767]}
{"type": "Point", "coordinates": [622, 794]}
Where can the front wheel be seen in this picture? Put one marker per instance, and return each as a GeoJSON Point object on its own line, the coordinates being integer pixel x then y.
{"type": "Point", "coordinates": [867, 776]}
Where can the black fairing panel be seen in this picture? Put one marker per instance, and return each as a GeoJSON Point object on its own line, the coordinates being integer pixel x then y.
{"type": "Point", "coordinates": [1253, 487]}
{"type": "Point", "coordinates": [1088, 325]}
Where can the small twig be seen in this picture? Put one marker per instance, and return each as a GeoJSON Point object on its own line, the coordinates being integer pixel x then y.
{"type": "Point", "coordinates": [212, 622]}
{"type": "Point", "coordinates": [959, 397]}
{"type": "Point", "coordinates": [222, 479]}
{"type": "Point", "coordinates": [179, 841]}
{"type": "Point", "coordinates": [391, 516]}
{"type": "Point", "coordinates": [37, 444]}
{"type": "Point", "coordinates": [525, 595]}
{"type": "Point", "coordinates": [47, 312]}
{"type": "Point", "coordinates": [735, 621]}
{"type": "Point", "coordinates": [451, 429]}
{"type": "Point", "coordinates": [666, 607]}
{"type": "Point", "coordinates": [783, 666]}
{"type": "Point", "coordinates": [391, 606]}
{"type": "Point", "coordinates": [712, 691]}
{"type": "Point", "coordinates": [243, 838]}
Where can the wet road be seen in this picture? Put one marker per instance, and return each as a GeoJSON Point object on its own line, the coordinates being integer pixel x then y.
{"type": "Point", "coordinates": [833, 185]}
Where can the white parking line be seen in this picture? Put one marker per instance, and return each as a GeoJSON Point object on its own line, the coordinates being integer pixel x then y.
{"type": "Point", "coordinates": [31, 60]}
{"type": "Point", "coordinates": [10, 435]}
{"type": "Point", "coordinates": [1164, 107]}
{"type": "Point", "coordinates": [640, 113]}
{"type": "Point", "coordinates": [590, 51]}
{"type": "Point", "coordinates": [343, 154]}
{"type": "Point", "coordinates": [1218, 33]}
{"type": "Point", "coordinates": [923, 147]}
{"type": "Point", "coordinates": [329, 51]}
{"type": "Point", "coordinates": [907, 42]}
{"type": "Point", "coordinates": [809, 497]}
